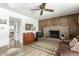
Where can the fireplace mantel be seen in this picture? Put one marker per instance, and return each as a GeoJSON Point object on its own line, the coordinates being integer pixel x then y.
{"type": "Point", "coordinates": [63, 30]}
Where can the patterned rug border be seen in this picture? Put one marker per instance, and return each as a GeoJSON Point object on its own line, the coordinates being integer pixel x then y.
{"type": "Point", "coordinates": [43, 50]}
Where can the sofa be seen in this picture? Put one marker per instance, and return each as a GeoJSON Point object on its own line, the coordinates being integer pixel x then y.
{"type": "Point", "coordinates": [66, 50]}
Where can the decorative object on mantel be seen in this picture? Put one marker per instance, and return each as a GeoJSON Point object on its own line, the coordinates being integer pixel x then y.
{"type": "Point", "coordinates": [62, 37]}
{"type": "Point", "coordinates": [28, 26]}
{"type": "Point", "coordinates": [2, 21]}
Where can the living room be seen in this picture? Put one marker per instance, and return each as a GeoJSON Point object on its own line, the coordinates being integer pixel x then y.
{"type": "Point", "coordinates": [43, 29]}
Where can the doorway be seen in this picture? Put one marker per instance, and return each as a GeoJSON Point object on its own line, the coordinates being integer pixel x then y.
{"type": "Point", "coordinates": [14, 32]}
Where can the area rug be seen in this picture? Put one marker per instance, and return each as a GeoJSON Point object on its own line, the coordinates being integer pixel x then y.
{"type": "Point", "coordinates": [49, 46]}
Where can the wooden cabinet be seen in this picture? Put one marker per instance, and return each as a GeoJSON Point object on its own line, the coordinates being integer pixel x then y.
{"type": "Point", "coordinates": [28, 38]}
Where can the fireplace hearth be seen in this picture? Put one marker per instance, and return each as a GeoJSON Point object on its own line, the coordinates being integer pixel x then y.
{"type": "Point", "coordinates": [54, 33]}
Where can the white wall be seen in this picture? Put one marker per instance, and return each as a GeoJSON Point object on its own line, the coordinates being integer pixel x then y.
{"type": "Point", "coordinates": [4, 33]}
{"type": "Point", "coordinates": [5, 14]}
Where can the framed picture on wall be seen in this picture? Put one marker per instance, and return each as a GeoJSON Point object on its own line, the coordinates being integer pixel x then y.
{"type": "Point", "coordinates": [2, 21]}
{"type": "Point", "coordinates": [28, 26]}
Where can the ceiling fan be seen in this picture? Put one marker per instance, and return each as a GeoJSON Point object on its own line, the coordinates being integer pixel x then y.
{"type": "Point", "coordinates": [42, 8]}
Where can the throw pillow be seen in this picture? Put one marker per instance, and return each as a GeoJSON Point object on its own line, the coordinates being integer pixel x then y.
{"type": "Point", "coordinates": [72, 43]}
{"type": "Point", "coordinates": [76, 47]}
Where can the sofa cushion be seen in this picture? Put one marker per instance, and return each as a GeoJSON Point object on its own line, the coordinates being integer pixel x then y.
{"type": "Point", "coordinates": [76, 47]}
{"type": "Point", "coordinates": [65, 50]}
{"type": "Point", "coordinates": [73, 42]}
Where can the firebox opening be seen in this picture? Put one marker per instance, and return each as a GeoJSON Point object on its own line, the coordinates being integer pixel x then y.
{"type": "Point", "coordinates": [54, 33]}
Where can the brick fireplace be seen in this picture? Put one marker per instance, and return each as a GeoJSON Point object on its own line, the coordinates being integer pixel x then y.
{"type": "Point", "coordinates": [56, 31]}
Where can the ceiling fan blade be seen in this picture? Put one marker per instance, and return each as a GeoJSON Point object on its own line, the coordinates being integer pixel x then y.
{"type": "Point", "coordinates": [34, 9]}
{"type": "Point", "coordinates": [43, 5]}
{"type": "Point", "coordinates": [41, 12]}
{"type": "Point", "coordinates": [50, 10]}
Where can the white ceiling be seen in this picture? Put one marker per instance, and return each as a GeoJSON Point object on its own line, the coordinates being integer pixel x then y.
{"type": "Point", "coordinates": [60, 9]}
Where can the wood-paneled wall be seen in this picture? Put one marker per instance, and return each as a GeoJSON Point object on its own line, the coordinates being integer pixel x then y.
{"type": "Point", "coordinates": [69, 20]}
